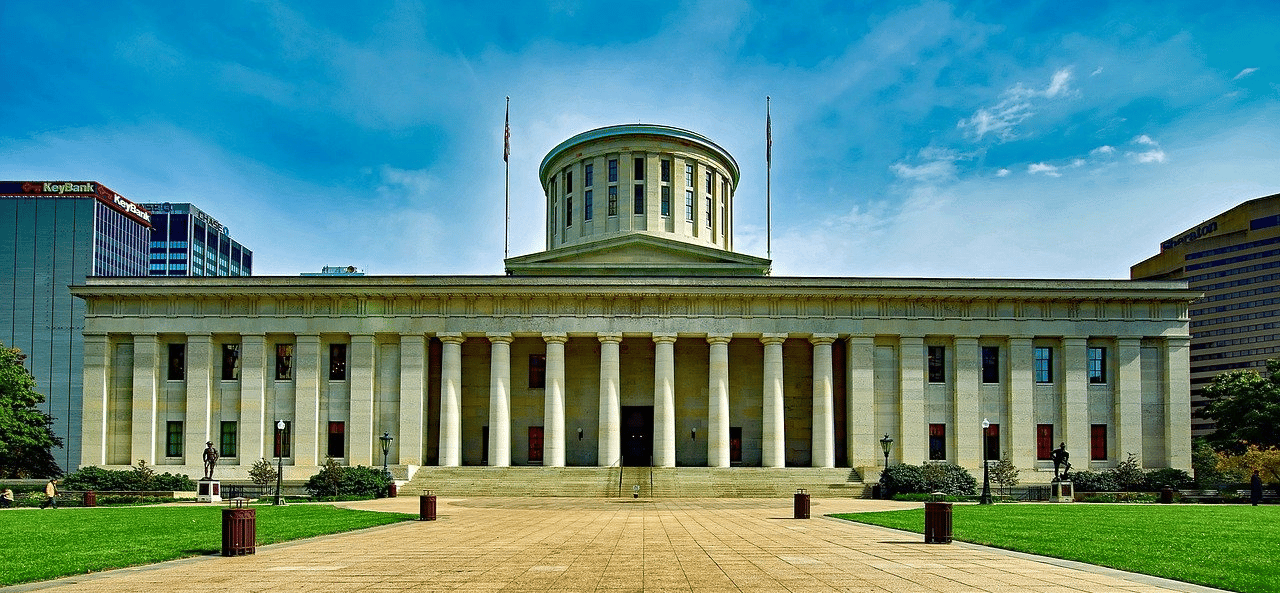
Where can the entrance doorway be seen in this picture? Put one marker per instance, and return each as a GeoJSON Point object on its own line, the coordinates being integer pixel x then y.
{"type": "Point", "coordinates": [637, 435]}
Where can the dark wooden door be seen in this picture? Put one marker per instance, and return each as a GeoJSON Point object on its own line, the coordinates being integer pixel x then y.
{"type": "Point", "coordinates": [637, 435]}
{"type": "Point", "coordinates": [535, 445]}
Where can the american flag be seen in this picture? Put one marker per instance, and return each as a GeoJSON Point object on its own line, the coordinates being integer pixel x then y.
{"type": "Point", "coordinates": [506, 135]}
{"type": "Point", "coordinates": [768, 135]}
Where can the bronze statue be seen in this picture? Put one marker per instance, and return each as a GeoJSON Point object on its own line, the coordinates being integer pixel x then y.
{"type": "Point", "coordinates": [210, 460]}
{"type": "Point", "coordinates": [1060, 457]}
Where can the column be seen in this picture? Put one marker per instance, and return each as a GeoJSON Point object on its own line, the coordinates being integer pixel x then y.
{"type": "Point", "coordinates": [499, 399]}
{"type": "Point", "coordinates": [451, 399]}
{"type": "Point", "coordinates": [664, 400]}
{"type": "Point", "coordinates": [967, 404]}
{"type": "Point", "coordinates": [254, 371]}
{"type": "Point", "coordinates": [718, 402]}
{"type": "Point", "coordinates": [413, 378]}
{"type": "Point", "coordinates": [1075, 399]}
{"type": "Point", "coordinates": [306, 405]}
{"type": "Point", "coordinates": [773, 445]}
{"type": "Point", "coordinates": [553, 436]}
{"type": "Point", "coordinates": [1177, 402]}
{"type": "Point", "coordinates": [912, 445]}
{"type": "Point", "coordinates": [609, 448]}
{"type": "Point", "coordinates": [199, 390]}
{"type": "Point", "coordinates": [363, 429]}
{"type": "Point", "coordinates": [146, 363]}
{"type": "Point", "coordinates": [96, 395]}
{"type": "Point", "coordinates": [824, 428]}
{"type": "Point", "coordinates": [1127, 399]}
{"type": "Point", "coordinates": [860, 412]}
{"type": "Point", "coordinates": [1020, 424]}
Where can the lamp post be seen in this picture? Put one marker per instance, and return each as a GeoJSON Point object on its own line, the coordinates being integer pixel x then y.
{"type": "Point", "coordinates": [279, 458]}
{"type": "Point", "coordinates": [885, 444]}
{"type": "Point", "coordinates": [386, 439]}
{"type": "Point", "coordinates": [986, 474]}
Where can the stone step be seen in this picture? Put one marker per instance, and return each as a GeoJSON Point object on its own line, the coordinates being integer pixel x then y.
{"type": "Point", "coordinates": [681, 482]}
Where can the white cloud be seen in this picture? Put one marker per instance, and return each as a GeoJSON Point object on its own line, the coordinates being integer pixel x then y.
{"type": "Point", "coordinates": [1059, 83]}
{"type": "Point", "coordinates": [1015, 106]}
{"type": "Point", "coordinates": [1102, 150]}
{"type": "Point", "coordinates": [1144, 139]}
{"type": "Point", "coordinates": [1244, 73]}
{"type": "Point", "coordinates": [1096, 71]}
{"type": "Point", "coordinates": [1045, 168]}
{"type": "Point", "coordinates": [1153, 155]}
{"type": "Point", "coordinates": [1002, 173]}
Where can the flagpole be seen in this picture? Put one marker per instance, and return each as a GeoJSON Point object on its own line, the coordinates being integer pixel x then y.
{"type": "Point", "coordinates": [768, 183]}
{"type": "Point", "coordinates": [506, 159]}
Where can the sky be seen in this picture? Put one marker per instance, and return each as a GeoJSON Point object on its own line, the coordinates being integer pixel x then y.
{"type": "Point", "coordinates": [934, 139]}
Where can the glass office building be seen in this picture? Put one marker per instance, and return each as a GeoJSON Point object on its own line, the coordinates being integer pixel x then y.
{"type": "Point", "coordinates": [54, 234]}
{"type": "Point", "coordinates": [185, 241]}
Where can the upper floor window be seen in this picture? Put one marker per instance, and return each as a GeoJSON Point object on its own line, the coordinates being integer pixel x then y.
{"type": "Point", "coordinates": [639, 168]}
{"type": "Point", "coordinates": [990, 364]}
{"type": "Point", "coordinates": [588, 175]}
{"type": "Point", "coordinates": [613, 200]}
{"type": "Point", "coordinates": [666, 200]}
{"type": "Point", "coordinates": [688, 176]}
{"type": "Point", "coordinates": [568, 182]}
{"type": "Point", "coordinates": [284, 362]}
{"type": "Point", "coordinates": [177, 362]}
{"type": "Point", "coordinates": [937, 364]}
{"type": "Point", "coordinates": [1097, 365]}
{"type": "Point", "coordinates": [613, 170]}
{"type": "Point", "coordinates": [568, 211]}
{"type": "Point", "coordinates": [337, 362]}
{"type": "Point", "coordinates": [586, 205]}
{"type": "Point", "coordinates": [665, 167]}
{"type": "Point", "coordinates": [688, 205]}
{"type": "Point", "coordinates": [1043, 369]}
{"type": "Point", "coordinates": [708, 211]}
{"type": "Point", "coordinates": [537, 371]}
{"type": "Point", "coordinates": [639, 198]}
{"type": "Point", "coordinates": [230, 362]}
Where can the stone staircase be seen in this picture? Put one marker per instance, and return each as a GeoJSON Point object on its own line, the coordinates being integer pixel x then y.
{"type": "Point", "coordinates": [656, 482]}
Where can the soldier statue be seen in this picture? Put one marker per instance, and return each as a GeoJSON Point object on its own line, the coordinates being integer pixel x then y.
{"type": "Point", "coordinates": [210, 460]}
{"type": "Point", "coordinates": [1060, 457]}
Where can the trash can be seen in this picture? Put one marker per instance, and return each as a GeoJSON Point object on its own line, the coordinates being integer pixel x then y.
{"type": "Point", "coordinates": [391, 490]}
{"type": "Point", "coordinates": [937, 522]}
{"type": "Point", "coordinates": [427, 506]}
{"type": "Point", "coordinates": [801, 504]}
{"type": "Point", "coordinates": [1166, 495]}
{"type": "Point", "coordinates": [90, 498]}
{"type": "Point", "coordinates": [239, 529]}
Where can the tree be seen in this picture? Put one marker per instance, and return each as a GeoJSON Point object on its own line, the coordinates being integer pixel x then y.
{"type": "Point", "coordinates": [26, 433]}
{"type": "Point", "coordinates": [1265, 461]}
{"type": "Point", "coordinates": [263, 473]}
{"type": "Point", "coordinates": [1004, 473]}
{"type": "Point", "coordinates": [1245, 408]}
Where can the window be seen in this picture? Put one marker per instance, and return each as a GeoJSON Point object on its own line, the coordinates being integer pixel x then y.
{"type": "Point", "coordinates": [588, 175]}
{"type": "Point", "coordinates": [613, 170]}
{"type": "Point", "coordinates": [173, 439]}
{"type": "Point", "coordinates": [537, 371]}
{"type": "Point", "coordinates": [586, 205]}
{"type": "Point", "coordinates": [991, 448]}
{"type": "Point", "coordinates": [1097, 365]}
{"type": "Point", "coordinates": [639, 168]}
{"type": "Point", "coordinates": [990, 364]}
{"type": "Point", "coordinates": [1044, 442]}
{"type": "Point", "coordinates": [666, 200]}
{"type": "Point", "coordinates": [230, 362]}
{"type": "Point", "coordinates": [688, 177]}
{"type": "Point", "coordinates": [568, 211]}
{"type": "Point", "coordinates": [688, 205]}
{"type": "Point", "coordinates": [1098, 442]}
{"type": "Point", "coordinates": [639, 198]}
{"type": "Point", "coordinates": [337, 362]}
{"type": "Point", "coordinates": [613, 200]}
{"type": "Point", "coordinates": [937, 364]}
{"type": "Point", "coordinates": [708, 211]}
{"type": "Point", "coordinates": [337, 440]}
{"type": "Point", "coordinates": [568, 181]}
{"type": "Point", "coordinates": [1043, 364]}
{"type": "Point", "coordinates": [227, 442]}
{"type": "Point", "coordinates": [177, 362]}
{"type": "Point", "coordinates": [665, 168]}
{"type": "Point", "coordinates": [284, 362]}
{"type": "Point", "coordinates": [283, 438]}
{"type": "Point", "coordinates": [937, 442]}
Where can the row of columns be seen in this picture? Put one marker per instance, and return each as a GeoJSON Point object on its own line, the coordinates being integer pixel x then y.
{"type": "Point", "coordinates": [861, 439]}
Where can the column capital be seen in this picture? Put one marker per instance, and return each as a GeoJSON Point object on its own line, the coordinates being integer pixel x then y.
{"type": "Point", "coordinates": [1129, 340]}
{"type": "Point", "coordinates": [664, 338]}
{"type": "Point", "coordinates": [555, 337]}
{"type": "Point", "coordinates": [719, 338]}
{"type": "Point", "coordinates": [310, 338]}
{"type": "Point", "coordinates": [819, 339]}
{"type": "Point", "coordinates": [773, 338]}
{"type": "Point", "coordinates": [411, 338]}
{"type": "Point", "coordinates": [609, 338]}
{"type": "Point", "coordinates": [451, 337]}
{"type": "Point", "coordinates": [499, 338]}
{"type": "Point", "coordinates": [1074, 341]}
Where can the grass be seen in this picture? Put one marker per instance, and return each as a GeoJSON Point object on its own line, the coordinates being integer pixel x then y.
{"type": "Point", "coordinates": [49, 544]}
{"type": "Point", "coordinates": [1229, 547]}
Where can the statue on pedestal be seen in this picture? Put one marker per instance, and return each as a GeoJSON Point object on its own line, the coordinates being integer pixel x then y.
{"type": "Point", "coordinates": [210, 460]}
{"type": "Point", "coordinates": [1060, 457]}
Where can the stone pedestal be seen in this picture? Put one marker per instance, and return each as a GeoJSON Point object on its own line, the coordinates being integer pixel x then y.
{"type": "Point", "coordinates": [1061, 491]}
{"type": "Point", "coordinates": [208, 490]}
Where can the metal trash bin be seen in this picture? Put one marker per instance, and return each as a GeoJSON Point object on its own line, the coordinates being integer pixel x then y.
{"type": "Point", "coordinates": [937, 522]}
{"type": "Point", "coordinates": [801, 504]}
{"type": "Point", "coordinates": [239, 529]}
{"type": "Point", "coordinates": [392, 490]}
{"type": "Point", "coordinates": [427, 506]}
{"type": "Point", "coordinates": [90, 498]}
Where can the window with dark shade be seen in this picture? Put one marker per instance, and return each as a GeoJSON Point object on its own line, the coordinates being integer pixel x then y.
{"type": "Point", "coordinates": [227, 440]}
{"type": "Point", "coordinates": [937, 364]}
{"type": "Point", "coordinates": [666, 200]}
{"type": "Point", "coordinates": [537, 371]}
{"type": "Point", "coordinates": [177, 362]}
{"type": "Point", "coordinates": [173, 439]}
{"type": "Point", "coordinates": [937, 442]}
{"type": "Point", "coordinates": [639, 199]}
{"type": "Point", "coordinates": [337, 362]}
{"type": "Point", "coordinates": [284, 362]}
{"type": "Point", "coordinates": [230, 362]}
{"type": "Point", "coordinates": [991, 449]}
{"type": "Point", "coordinates": [613, 170]}
{"type": "Point", "coordinates": [337, 440]}
{"type": "Point", "coordinates": [990, 364]}
{"type": "Point", "coordinates": [613, 200]}
{"type": "Point", "coordinates": [588, 175]}
{"type": "Point", "coordinates": [282, 439]}
{"type": "Point", "coordinates": [568, 211]}
{"type": "Point", "coordinates": [639, 168]}
{"type": "Point", "coordinates": [665, 167]}
{"type": "Point", "coordinates": [586, 205]}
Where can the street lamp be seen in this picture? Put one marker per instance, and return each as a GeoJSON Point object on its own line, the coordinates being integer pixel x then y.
{"type": "Point", "coordinates": [279, 458]}
{"type": "Point", "coordinates": [386, 439]}
{"type": "Point", "coordinates": [885, 444]}
{"type": "Point", "coordinates": [986, 474]}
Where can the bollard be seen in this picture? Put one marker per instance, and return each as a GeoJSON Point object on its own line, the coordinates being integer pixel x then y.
{"type": "Point", "coordinates": [937, 522]}
{"type": "Point", "coordinates": [801, 504]}
{"type": "Point", "coordinates": [239, 529]}
{"type": "Point", "coordinates": [427, 506]}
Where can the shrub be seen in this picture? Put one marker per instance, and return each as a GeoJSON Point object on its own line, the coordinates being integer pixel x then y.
{"type": "Point", "coordinates": [904, 479]}
{"type": "Point", "coordinates": [1173, 478]}
{"type": "Point", "coordinates": [262, 473]}
{"type": "Point", "coordinates": [351, 481]}
{"type": "Point", "coordinates": [1087, 481]}
{"type": "Point", "coordinates": [141, 477]}
{"type": "Point", "coordinates": [949, 478]}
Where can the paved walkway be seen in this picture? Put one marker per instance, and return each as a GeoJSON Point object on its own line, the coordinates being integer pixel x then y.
{"type": "Point", "coordinates": [558, 544]}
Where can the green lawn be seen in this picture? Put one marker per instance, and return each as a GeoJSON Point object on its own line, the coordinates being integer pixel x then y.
{"type": "Point", "coordinates": [42, 545]}
{"type": "Point", "coordinates": [1231, 547]}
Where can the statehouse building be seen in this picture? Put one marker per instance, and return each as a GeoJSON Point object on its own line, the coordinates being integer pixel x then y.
{"type": "Point", "coordinates": [638, 339]}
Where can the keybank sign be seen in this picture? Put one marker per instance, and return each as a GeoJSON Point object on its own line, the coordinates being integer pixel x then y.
{"type": "Point", "coordinates": [130, 208]}
{"type": "Point", "coordinates": [1196, 233]}
{"type": "Point", "coordinates": [69, 188]}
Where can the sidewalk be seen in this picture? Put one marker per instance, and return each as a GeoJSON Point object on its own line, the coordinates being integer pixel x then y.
{"type": "Point", "coordinates": [560, 544]}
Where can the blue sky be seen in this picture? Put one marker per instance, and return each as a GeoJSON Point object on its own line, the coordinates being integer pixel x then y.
{"type": "Point", "coordinates": [1040, 139]}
